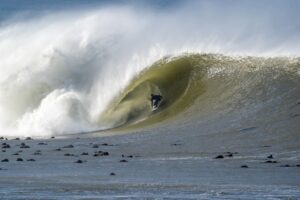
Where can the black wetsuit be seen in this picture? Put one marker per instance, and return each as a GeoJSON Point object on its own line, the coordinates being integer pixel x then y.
{"type": "Point", "coordinates": [155, 99]}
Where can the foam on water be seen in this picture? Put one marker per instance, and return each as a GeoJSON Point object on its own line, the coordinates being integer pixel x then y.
{"type": "Point", "coordinates": [60, 70]}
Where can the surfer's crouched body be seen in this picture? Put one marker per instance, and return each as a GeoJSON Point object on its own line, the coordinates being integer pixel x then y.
{"type": "Point", "coordinates": [155, 100]}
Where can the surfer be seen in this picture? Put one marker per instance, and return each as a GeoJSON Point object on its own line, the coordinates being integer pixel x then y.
{"type": "Point", "coordinates": [155, 100]}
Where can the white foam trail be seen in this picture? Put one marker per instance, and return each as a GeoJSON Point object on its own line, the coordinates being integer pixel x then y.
{"type": "Point", "coordinates": [59, 72]}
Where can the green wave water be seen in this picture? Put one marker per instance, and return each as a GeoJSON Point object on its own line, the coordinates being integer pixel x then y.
{"type": "Point", "coordinates": [201, 85]}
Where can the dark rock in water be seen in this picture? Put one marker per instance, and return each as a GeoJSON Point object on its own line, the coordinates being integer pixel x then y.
{"type": "Point", "coordinates": [297, 165]}
{"type": "Point", "coordinates": [1, 138]}
{"type": "Point", "coordinates": [85, 153]}
{"type": "Point", "coordinates": [219, 157]}
{"type": "Point", "coordinates": [19, 159]}
{"type": "Point", "coordinates": [270, 156]}
{"type": "Point", "coordinates": [123, 160]}
{"type": "Point", "coordinates": [68, 154]}
{"type": "Point", "coordinates": [28, 138]}
{"type": "Point", "coordinates": [270, 161]}
{"type": "Point", "coordinates": [5, 160]}
{"type": "Point", "coordinates": [16, 154]}
{"type": "Point", "coordinates": [101, 153]}
{"type": "Point", "coordinates": [112, 174]}
{"type": "Point", "coordinates": [17, 138]}
{"type": "Point", "coordinates": [37, 153]}
{"type": "Point", "coordinates": [3, 150]}
{"type": "Point", "coordinates": [24, 146]}
{"type": "Point", "coordinates": [52, 137]}
{"type": "Point", "coordinates": [42, 143]}
{"type": "Point", "coordinates": [31, 160]}
{"type": "Point", "coordinates": [58, 149]}
{"type": "Point", "coordinates": [79, 161]}
{"type": "Point", "coordinates": [244, 166]}
{"type": "Point", "coordinates": [229, 154]}
{"type": "Point", "coordinates": [176, 144]}
{"type": "Point", "coordinates": [69, 146]}
{"type": "Point", "coordinates": [106, 144]}
{"type": "Point", "coordinates": [285, 165]}
{"type": "Point", "coordinates": [266, 146]}
{"type": "Point", "coordinates": [129, 156]}
{"type": "Point", "coordinates": [95, 146]}
{"type": "Point", "coordinates": [5, 146]}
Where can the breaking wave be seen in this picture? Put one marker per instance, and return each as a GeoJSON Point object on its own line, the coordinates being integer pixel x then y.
{"type": "Point", "coordinates": [205, 82]}
{"type": "Point", "coordinates": [90, 70]}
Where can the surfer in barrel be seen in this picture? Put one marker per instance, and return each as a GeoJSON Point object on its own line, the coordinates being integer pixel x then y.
{"type": "Point", "coordinates": [155, 100]}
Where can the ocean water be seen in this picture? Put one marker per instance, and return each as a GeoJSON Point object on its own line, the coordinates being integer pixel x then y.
{"type": "Point", "coordinates": [61, 61]}
{"type": "Point", "coordinates": [229, 74]}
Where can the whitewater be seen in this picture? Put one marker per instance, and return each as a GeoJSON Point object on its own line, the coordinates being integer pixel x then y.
{"type": "Point", "coordinates": [60, 72]}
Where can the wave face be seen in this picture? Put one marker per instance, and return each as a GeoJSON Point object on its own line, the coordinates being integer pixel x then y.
{"type": "Point", "coordinates": [201, 86]}
{"type": "Point", "coordinates": [78, 71]}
